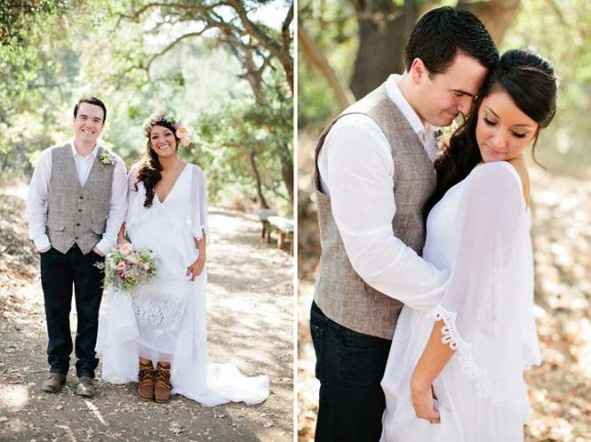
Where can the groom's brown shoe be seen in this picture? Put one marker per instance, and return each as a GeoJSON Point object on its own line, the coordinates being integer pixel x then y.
{"type": "Point", "coordinates": [162, 387]}
{"type": "Point", "coordinates": [145, 386]}
{"type": "Point", "coordinates": [54, 383]}
{"type": "Point", "coordinates": [85, 387]}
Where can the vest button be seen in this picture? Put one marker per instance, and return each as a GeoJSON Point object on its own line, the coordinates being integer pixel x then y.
{"type": "Point", "coordinates": [76, 238]}
{"type": "Point", "coordinates": [80, 210]}
{"type": "Point", "coordinates": [77, 224]}
{"type": "Point", "coordinates": [81, 197]}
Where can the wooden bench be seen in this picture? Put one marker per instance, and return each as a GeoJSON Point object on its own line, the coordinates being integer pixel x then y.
{"type": "Point", "coordinates": [284, 228]}
{"type": "Point", "coordinates": [263, 216]}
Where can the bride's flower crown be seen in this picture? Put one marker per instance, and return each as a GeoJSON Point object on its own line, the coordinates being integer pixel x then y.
{"type": "Point", "coordinates": [182, 132]}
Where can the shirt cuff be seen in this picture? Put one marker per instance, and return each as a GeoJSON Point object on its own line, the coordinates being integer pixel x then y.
{"type": "Point", "coordinates": [42, 243]}
{"type": "Point", "coordinates": [104, 246]}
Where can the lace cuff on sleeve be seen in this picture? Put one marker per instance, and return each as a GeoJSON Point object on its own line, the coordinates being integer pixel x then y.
{"type": "Point", "coordinates": [451, 336]}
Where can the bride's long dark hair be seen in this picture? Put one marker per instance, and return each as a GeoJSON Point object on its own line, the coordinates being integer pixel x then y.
{"type": "Point", "coordinates": [531, 83]}
{"type": "Point", "coordinates": [150, 171]}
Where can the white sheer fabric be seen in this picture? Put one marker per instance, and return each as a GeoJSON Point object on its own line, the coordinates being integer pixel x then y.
{"type": "Point", "coordinates": [167, 320]}
{"type": "Point", "coordinates": [480, 231]}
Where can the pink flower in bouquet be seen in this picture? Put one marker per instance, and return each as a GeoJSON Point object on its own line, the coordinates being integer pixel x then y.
{"type": "Point", "coordinates": [121, 267]}
{"type": "Point", "coordinates": [125, 249]}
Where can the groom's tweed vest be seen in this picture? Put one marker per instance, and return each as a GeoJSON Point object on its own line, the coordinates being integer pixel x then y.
{"type": "Point", "coordinates": [340, 292]}
{"type": "Point", "coordinates": [77, 214]}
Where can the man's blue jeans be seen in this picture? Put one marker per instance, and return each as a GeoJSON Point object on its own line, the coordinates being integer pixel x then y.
{"type": "Point", "coordinates": [350, 367]}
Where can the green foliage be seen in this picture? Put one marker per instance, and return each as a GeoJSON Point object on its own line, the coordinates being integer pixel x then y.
{"type": "Point", "coordinates": [561, 32]}
{"type": "Point", "coordinates": [30, 99]}
{"type": "Point", "coordinates": [103, 48]}
{"type": "Point", "coordinates": [227, 139]}
{"type": "Point", "coordinates": [17, 16]}
{"type": "Point", "coordinates": [333, 27]}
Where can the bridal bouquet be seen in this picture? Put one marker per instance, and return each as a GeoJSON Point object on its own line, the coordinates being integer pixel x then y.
{"type": "Point", "coordinates": [126, 269]}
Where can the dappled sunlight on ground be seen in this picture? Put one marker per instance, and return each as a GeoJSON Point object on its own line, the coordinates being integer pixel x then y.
{"type": "Point", "coordinates": [250, 323]}
{"type": "Point", "coordinates": [13, 397]}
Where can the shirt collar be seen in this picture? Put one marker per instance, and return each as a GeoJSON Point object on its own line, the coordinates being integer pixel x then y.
{"type": "Point", "coordinates": [91, 155]}
{"type": "Point", "coordinates": [424, 132]}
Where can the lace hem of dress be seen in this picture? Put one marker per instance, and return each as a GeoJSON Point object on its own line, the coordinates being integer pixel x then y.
{"type": "Point", "coordinates": [161, 317]}
{"type": "Point", "coordinates": [451, 337]}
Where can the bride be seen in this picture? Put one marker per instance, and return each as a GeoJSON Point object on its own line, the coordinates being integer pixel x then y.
{"type": "Point", "coordinates": [163, 327]}
{"type": "Point", "coordinates": [455, 370]}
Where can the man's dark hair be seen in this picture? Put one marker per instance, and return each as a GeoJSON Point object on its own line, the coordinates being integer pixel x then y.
{"type": "Point", "coordinates": [91, 100]}
{"type": "Point", "coordinates": [442, 32]}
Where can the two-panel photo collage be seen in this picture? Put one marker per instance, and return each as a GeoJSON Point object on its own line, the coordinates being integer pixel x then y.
{"type": "Point", "coordinates": [295, 221]}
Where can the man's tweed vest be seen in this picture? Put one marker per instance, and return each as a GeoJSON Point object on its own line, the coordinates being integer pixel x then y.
{"type": "Point", "coordinates": [340, 292]}
{"type": "Point", "coordinates": [77, 214]}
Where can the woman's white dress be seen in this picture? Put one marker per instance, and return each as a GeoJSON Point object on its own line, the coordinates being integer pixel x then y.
{"type": "Point", "coordinates": [167, 319]}
{"type": "Point", "coordinates": [480, 232]}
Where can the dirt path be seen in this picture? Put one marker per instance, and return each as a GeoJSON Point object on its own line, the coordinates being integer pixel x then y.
{"type": "Point", "coordinates": [250, 323]}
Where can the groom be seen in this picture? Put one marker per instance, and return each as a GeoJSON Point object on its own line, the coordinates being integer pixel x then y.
{"type": "Point", "coordinates": [75, 207]}
{"type": "Point", "coordinates": [374, 172]}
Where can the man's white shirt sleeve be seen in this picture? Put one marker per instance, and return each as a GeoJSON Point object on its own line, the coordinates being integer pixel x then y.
{"type": "Point", "coordinates": [356, 166]}
{"type": "Point", "coordinates": [36, 211]}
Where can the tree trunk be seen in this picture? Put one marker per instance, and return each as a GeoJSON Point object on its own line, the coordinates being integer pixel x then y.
{"type": "Point", "coordinates": [286, 38]}
{"type": "Point", "coordinates": [384, 29]}
{"type": "Point", "coordinates": [257, 176]}
{"type": "Point", "coordinates": [497, 15]}
{"type": "Point", "coordinates": [319, 61]}
{"type": "Point", "coordinates": [382, 32]}
{"type": "Point", "coordinates": [287, 172]}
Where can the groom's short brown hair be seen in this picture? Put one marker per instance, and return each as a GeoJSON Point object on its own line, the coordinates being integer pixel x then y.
{"type": "Point", "coordinates": [442, 32]}
{"type": "Point", "coordinates": [91, 100]}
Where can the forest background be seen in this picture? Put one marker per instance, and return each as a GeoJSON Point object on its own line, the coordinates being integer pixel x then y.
{"type": "Point", "coordinates": [225, 69]}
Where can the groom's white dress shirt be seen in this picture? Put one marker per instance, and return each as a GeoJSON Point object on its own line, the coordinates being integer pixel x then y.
{"type": "Point", "coordinates": [356, 171]}
{"type": "Point", "coordinates": [38, 194]}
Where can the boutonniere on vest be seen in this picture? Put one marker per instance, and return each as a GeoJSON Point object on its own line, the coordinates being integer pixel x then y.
{"type": "Point", "coordinates": [106, 159]}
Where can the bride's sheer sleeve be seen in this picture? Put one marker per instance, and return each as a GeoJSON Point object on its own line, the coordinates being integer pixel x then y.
{"type": "Point", "coordinates": [485, 298]}
{"type": "Point", "coordinates": [132, 191]}
{"type": "Point", "coordinates": [199, 204]}
{"type": "Point", "coordinates": [133, 174]}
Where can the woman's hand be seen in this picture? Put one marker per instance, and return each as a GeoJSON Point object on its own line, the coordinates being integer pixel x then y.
{"type": "Point", "coordinates": [423, 401]}
{"type": "Point", "coordinates": [121, 235]}
{"type": "Point", "coordinates": [195, 269]}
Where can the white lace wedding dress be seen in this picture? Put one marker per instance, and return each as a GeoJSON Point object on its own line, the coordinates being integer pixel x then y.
{"type": "Point", "coordinates": [480, 232]}
{"type": "Point", "coordinates": [167, 320]}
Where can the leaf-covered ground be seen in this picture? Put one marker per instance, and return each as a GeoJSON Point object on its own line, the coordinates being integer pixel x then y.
{"type": "Point", "coordinates": [560, 389]}
{"type": "Point", "coordinates": [250, 323]}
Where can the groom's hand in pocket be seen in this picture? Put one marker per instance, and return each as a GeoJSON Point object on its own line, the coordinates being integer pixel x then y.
{"type": "Point", "coordinates": [423, 401]}
{"type": "Point", "coordinates": [98, 252]}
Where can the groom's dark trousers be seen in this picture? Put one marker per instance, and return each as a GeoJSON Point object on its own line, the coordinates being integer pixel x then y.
{"type": "Point", "coordinates": [59, 274]}
{"type": "Point", "coordinates": [350, 367]}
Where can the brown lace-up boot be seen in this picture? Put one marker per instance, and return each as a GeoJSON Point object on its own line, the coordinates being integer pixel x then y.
{"type": "Point", "coordinates": [145, 387]}
{"type": "Point", "coordinates": [162, 387]}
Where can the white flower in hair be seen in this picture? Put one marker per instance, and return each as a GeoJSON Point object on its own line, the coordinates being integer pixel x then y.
{"type": "Point", "coordinates": [183, 134]}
